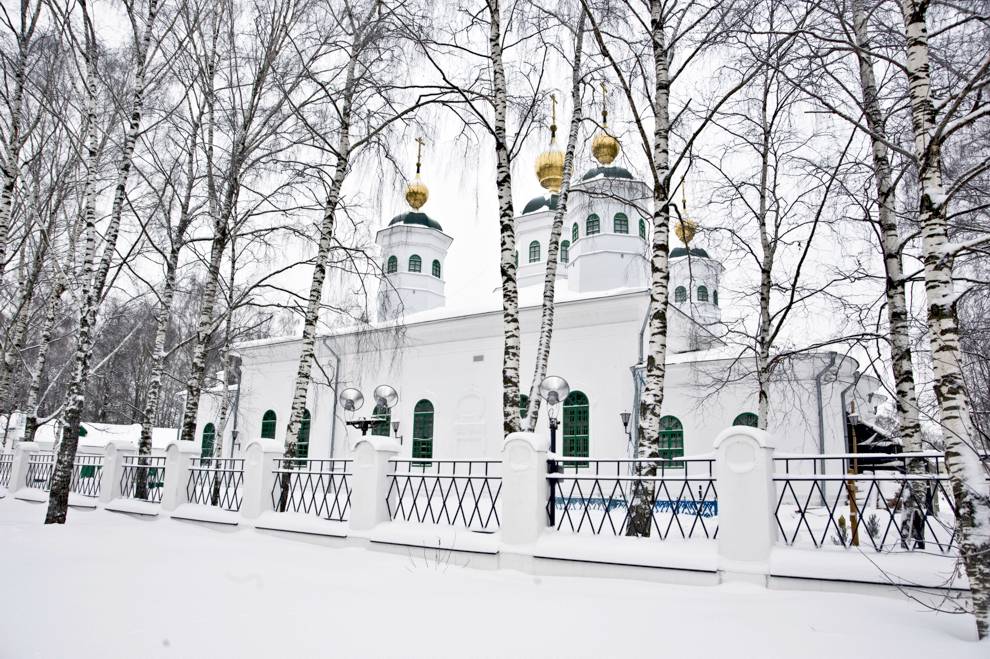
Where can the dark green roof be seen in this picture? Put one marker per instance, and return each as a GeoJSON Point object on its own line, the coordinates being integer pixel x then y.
{"type": "Point", "coordinates": [607, 172]}
{"type": "Point", "coordinates": [412, 217]}
{"type": "Point", "coordinates": [538, 203]}
{"type": "Point", "coordinates": [695, 251]}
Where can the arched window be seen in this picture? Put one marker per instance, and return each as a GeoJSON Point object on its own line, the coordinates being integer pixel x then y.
{"type": "Point", "coordinates": [302, 439]}
{"type": "Point", "coordinates": [702, 294]}
{"type": "Point", "coordinates": [436, 268]}
{"type": "Point", "coordinates": [516, 256]}
{"type": "Point", "coordinates": [642, 228]}
{"type": "Point", "coordinates": [747, 419]}
{"type": "Point", "coordinates": [383, 419]}
{"type": "Point", "coordinates": [534, 251]}
{"type": "Point", "coordinates": [592, 225]}
{"type": "Point", "coordinates": [523, 405]}
{"type": "Point", "coordinates": [82, 431]}
{"type": "Point", "coordinates": [392, 265]}
{"type": "Point", "coordinates": [671, 439]}
{"type": "Point", "coordinates": [575, 232]}
{"type": "Point", "coordinates": [415, 263]}
{"type": "Point", "coordinates": [209, 440]}
{"type": "Point", "coordinates": [715, 298]}
{"type": "Point", "coordinates": [620, 223]}
{"type": "Point", "coordinates": [565, 251]}
{"type": "Point", "coordinates": [268, 424]}
{"type": "Point", "coordinates": [576, 426]}
{"type": "Point", "coordinates": [422, 443]}
{"type": "Point", "coordinates": [680, 294]}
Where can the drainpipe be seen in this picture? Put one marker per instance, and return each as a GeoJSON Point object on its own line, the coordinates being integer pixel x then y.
{"type": "Point", "coordinates": [336, 385]}
{"type": "Point", "coordinates": [237, 401]}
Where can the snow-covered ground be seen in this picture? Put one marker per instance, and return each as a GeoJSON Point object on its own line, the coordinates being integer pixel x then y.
{"type": "Point", "coordinates": [110, 585]}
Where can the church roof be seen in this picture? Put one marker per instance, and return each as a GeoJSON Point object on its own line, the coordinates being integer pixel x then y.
{"type": "Point", "coordinates": [539, 203]}
{"type": "Point", "coordinates": [607, 172]}
{"type": "Point", "coordinates": [682, 251]}
{"type": "Point", "coordinates": [414, 217]}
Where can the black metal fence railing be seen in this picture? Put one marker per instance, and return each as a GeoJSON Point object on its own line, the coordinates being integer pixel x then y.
{"type": "Point", "coordinates": [6, 466]}
{"type": "Point", "coordinates": [152, 473]}
{"type": "Point", "coordinates": [828, 500]}
{"type": "Point", "coordinates": [596, 496]}
{"type": "Point", "coordinates": [451, 492]}
{"type": "Point", "coordinates": [85, 478]}
{"type": "Point", "coordinates": [216, 482]}
{"type": "Point", "coordinates": [316, 487]}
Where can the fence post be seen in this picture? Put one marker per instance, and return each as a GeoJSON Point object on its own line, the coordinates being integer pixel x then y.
{"type": "Point", "coordinates": [19, 467]}
{"type": "Point", "coordinates": [113, 468]}
{"type": "Point", "coordinates": [370, 487]}
{"type": "Point", "coordinates": [524, 487]}
{"type": "Point", "coordinates": [177, 456]}
{"type": "Point", "coordinates": [747, 530]}
{"type": "Point", "coordinates": [259, 477]}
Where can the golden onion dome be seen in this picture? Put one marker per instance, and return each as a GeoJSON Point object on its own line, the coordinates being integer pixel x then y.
{"type": "Point", "coordinates": [604, 147]}
{"type": "Point", "coordinates": [416, 192]}
{"type": "Point", "coordinates": [550, 163]}
{"type": "Point", "coordinates": [685, 230]}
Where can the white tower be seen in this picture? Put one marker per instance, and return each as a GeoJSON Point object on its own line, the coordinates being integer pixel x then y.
{"type": "Point", "coordinates": [414, 253]}
{"type": "Point", "coordinates": [607, 226]}
{"type": "Point", "coordinates": [694, 315]}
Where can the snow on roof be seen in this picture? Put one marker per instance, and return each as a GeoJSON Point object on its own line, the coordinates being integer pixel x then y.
{"type": "Point", "coordinates": [99, 434]}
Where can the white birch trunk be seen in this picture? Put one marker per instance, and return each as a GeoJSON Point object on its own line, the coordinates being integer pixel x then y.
{"type": "Point", "coordinates": [41, 359]}
{"type": "Point", "coordinates": [507, 229]}
{"type": "Point", "coordinates": [553, 248]}
{"type": "Point", "coordinates": [968, 474]}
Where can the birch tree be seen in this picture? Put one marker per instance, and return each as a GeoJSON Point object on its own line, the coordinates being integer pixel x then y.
{"type": "Point", "coordinates": [933, 124]}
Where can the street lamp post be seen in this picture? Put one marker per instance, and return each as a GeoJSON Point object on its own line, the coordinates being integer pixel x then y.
{"type": "Point", "coordinates": [351, 400]}
{"type": "Point", "coordinates": [553, 390]}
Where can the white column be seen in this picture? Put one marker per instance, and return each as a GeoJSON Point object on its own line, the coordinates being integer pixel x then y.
{"type": "Point", "coordinates": [524, 488]}
{"type": "Point", "coordinates": [370, 485]}
{"type": "Point", "coordinates": [113, 468]}
{"type": "Point", "coordinates": [747, 529]}
{"type": "Point", "coordinates": [259, 478]}
{"type": "Point", "coordinates": [19, 468]}
{"type": "Point", "coordinates": [177, 457]}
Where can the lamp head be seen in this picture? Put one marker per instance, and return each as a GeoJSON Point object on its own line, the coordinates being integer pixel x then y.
{"type": "Point", "coordinates": [351, 399]}
{"type": "Point", "coordinates": [625, 419]}
{"type": "Point", "coordinates": [554, 389]}
{"type": "Point", "coordinates": [386, 396]}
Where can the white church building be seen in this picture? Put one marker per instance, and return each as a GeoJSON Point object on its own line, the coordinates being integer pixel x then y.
{"type": "Point", "coordinates": [446, 363]}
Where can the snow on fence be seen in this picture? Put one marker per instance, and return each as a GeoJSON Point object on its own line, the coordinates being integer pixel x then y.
{"type": "Point", "coordinates": [149, 470]}
{"type": "Point", "coordinates": [85, 479]}
{"type": "Point", "coordinates": [830, 500]}
{"type": "Point", "coordinates": [317, 487]}
{"type": "Point", "coordinates": [451, 492]}
{"type": "Point", "coordinates": [216, 482]}
{"type": "Point", "coordinates": [6, 465]}
{"type": "Point", "coordinates": [594, 498]}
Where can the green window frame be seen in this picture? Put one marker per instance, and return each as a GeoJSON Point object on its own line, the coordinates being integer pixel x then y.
{"type": "Point", "coordinates": [515, 255]}
{"type": "Point", "coordinates": [383, 419]}
{"type": "Point", "coordinates": [680, 294]}
{"type": "Point", "coordinates": [422, 443]}
{"type": "Point", "coordinates": [392, 265]}
{"type": "Point", "coordinates": [575, 232]}
{"type": "Point", "coordinates": [672, 440]}
{"type": "Point", "coordinates": [620, 223]}
{"type": "Point", "coordinates": [592, 225]}
{"type": "Point", "coordinates": [715, 297]}
{"type": "Point", "coordinates": [565, 251]}
{"type": "Point", "coordinates": [302, 439]}
{"type": "Point", "coordinates": [436, 268]}
{"type": "Point", "coordinates": [415, 263]}
{"type": "Point", "coordinates": [523, 405]}
{"type": "Point", "coordinates": [642, 228]}
{"type": "Point", "coordinates": [702, 294]}
{"type": "Point", "coordinates": [534, 251]}
{"type": "Point", "coordinates": [747, 419]}
{"type": "Point", "coordinates": [576, 427]}
{"type": "Point", "coordinates": [209, 441]}
{"type": "Point", "coordinates": [268, 421]}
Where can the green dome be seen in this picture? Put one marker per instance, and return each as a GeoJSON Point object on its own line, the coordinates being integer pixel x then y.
{"type": "Point", "coordinates": [695, 251]}
{"type": "Point", "coordinates": [607, 172]}
{"type": "Point", "coordinates": [538, 203]}
{"type": "Point", "coordinates": [413, 217]}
